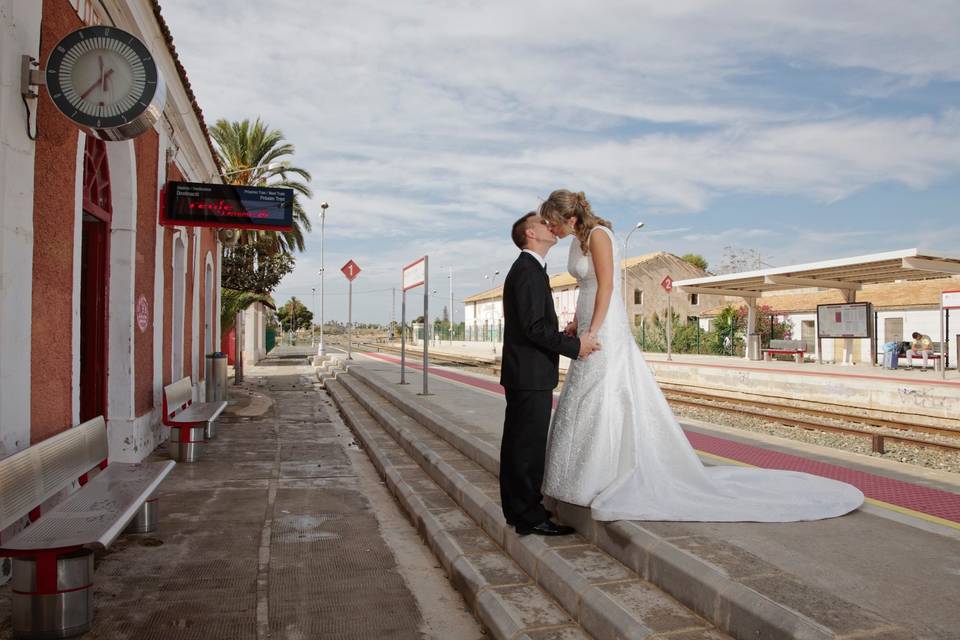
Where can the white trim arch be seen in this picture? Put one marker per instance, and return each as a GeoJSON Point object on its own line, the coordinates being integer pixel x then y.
{"type": "Point", "coordinates": [122, 161]}
{"type": "Point", "coordinates": [178, 258]}
{"type": "Point", "coordinates": [75, 303]}
{"type": "Point", "coordinates": [210, 309]}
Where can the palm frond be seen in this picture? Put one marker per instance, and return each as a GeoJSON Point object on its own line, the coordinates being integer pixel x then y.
{"type": "Point", "coordinates": [233, 302]}
{"type": "Point", "coordinates": [245, 149]}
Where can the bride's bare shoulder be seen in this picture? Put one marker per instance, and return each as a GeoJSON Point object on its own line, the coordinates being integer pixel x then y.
{"type": "Point", "coordinates": [600, 240]}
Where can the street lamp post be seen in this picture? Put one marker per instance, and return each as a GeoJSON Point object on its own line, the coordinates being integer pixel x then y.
{"type": "Point", "coordinates": [626, 296]}
{"type": "Point", "coordinates": [493, 285]}
{"type": "Point", "coordinates": [322, 350]}
{"type": "Point", "coordinates": [450, 308]}
{"type": "Point", "coordinates": [313, 307]}
{"type": "Point", "coordinates": [450, 327]}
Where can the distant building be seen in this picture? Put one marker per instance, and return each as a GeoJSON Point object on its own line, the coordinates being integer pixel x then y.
{"type": "Point", "coordinates": [483, 312]}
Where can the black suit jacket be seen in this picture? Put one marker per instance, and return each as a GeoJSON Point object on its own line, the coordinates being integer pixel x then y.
{"type": "Point", "coordinates": [532, 341]}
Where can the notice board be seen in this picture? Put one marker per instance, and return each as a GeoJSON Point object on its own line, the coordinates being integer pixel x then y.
{"type": "Point", "coordinates": [843, 320]}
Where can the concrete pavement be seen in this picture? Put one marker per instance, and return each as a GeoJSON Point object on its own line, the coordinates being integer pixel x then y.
{"type": "Point", "coordinates": [281, 530]}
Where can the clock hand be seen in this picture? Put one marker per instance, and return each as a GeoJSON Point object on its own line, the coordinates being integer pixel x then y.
{"type": "Point", "coordinates": [96, 84]}
{"type": "Point", "coordinates": [106, 77]}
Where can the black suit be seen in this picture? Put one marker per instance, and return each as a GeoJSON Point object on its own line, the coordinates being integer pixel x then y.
{"type": "Point", "coordinates": [532, 344]}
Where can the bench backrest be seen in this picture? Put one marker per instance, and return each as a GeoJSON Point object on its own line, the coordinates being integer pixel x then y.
{"type": "Point", "coordinates": [788, 344]}
{"type": "Point", "coordinates": [176, 396]}
{"type": "Point", "coordinates": [31, 476]}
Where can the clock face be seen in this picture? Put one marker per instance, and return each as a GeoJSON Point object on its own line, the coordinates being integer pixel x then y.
{"type": "Point", "coordinates": [103, 78]}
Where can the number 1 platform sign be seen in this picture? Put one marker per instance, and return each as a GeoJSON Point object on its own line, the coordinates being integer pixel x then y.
{"type": "Point", "coordinates": [413, 275]}
{"type": "Point", "coordinates": [351, 270]}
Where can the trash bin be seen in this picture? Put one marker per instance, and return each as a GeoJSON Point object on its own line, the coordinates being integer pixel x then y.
{"type": "Point", "coordinates": [216, 370]}
{"type": "Point", "coordinates": [753, 347]}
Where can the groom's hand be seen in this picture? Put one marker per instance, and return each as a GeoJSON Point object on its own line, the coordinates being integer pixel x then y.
{"type": "Point", "coordinates": [588, 344]}
{"type": "Point", "coordinates": [570, 329]}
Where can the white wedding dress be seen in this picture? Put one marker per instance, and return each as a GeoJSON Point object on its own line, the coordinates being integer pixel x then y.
{"type": "Point", "coordinates": [615, 445]}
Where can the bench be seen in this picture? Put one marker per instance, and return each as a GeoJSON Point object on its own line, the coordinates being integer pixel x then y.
{"type": "Point", "coordinates": [52, 588]}
{"type": "Point", "coordinates": [191, 423]}
{"type": "Point", "coordinates": [795, 348]}
{"type": "Point", "coordinates": [917, 360]}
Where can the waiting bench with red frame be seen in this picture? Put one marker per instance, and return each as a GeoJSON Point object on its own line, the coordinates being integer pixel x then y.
{"type": "Point", "coordinates": [191, 423]}
{"type": "Point", "coordinates": [53, 555]}
{"type": "Point", "coordinates": [795, 348]}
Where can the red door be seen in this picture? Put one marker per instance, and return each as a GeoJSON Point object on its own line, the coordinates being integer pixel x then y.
{"type": "Point", "coordinates": [94, 280]}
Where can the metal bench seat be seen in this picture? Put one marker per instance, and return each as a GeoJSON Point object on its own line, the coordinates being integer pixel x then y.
{"type": "Point", "coordinates": [52, 586]}
{"type": "Point", "coordinates": [200, 413]}
{"type": "Point", "coordinates": [191, 423]}
{"type": "Point", "coordinates": [94, 516]}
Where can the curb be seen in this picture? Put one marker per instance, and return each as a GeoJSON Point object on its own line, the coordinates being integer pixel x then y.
{"type": "Point", "coordinates": [608, 599]}
{"type": "Point", "coordinates": [468, 555]}
{"type": "Point", "coordinates": [706, 588]}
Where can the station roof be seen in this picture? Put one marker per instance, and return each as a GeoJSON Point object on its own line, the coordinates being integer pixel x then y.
{"type": "Point", "coordinates": [843, 273]}
{"type": "Point", "coordinates": [914, 294]}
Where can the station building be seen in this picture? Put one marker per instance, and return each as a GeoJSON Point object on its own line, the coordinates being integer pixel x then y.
{"type": "Point", "coordinates": [100, 306]}
{"type": "Point", "coordinates": [645, 297]}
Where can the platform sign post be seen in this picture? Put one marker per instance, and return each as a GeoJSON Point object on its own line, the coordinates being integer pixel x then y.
{"type": "Point", "coordinates": [351, 270]}
{"type": "Point", "coordinates": [948, 300]}
{"type": "Point", "coordinates": [667, 284]}
{"type": "Point", "coordinates": [414, 275]}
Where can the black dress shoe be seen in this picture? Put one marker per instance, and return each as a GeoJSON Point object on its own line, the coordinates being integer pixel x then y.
{"type": "Point", "coordinates": [546, 528]}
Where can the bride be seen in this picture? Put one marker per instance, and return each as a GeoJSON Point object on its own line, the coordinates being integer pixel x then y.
{"type": "Point", "coordinates": [614, 444]}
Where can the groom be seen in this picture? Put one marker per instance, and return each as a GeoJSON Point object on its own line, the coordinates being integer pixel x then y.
{"type": "Point", "coordinates": [532, 344]}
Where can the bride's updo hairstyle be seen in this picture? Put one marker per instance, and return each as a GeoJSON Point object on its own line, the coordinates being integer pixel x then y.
{"type": "Point", "coordinates": [563, 204]}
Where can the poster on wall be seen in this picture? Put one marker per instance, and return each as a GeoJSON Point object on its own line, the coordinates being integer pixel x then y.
{"type": "Point", "coordinates": [843, 320]}
{"type": "Point", "coordinates": [196, 204]}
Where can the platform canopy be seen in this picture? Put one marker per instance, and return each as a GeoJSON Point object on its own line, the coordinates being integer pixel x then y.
{"type": "Point", "coordinates": [848, 274]}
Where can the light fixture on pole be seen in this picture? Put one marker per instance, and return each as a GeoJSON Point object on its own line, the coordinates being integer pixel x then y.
{"type": "Point", "coordinates": [626, 296]}
{"type": "Point", "coordinates": [322, 350]}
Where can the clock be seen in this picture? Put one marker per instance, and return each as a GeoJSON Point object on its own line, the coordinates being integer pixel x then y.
{"type": "Point", "coordinates": [105, 79]}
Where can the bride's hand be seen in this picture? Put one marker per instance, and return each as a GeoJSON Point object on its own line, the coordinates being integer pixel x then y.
{"type": "Point", "coordinates": [571, 329]}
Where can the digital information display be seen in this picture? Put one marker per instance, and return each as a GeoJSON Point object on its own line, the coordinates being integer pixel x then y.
{"type": "Point", "coordinates": [843, 320]}
{"type": "Point", "coordinates": [195, 204]}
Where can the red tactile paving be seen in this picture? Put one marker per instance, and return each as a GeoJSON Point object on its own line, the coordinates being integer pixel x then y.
{"type": "Point", "coordinates": [935, 502]}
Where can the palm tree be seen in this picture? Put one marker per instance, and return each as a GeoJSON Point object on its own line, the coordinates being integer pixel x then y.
{"type": "Point", "coordinates": [253, 154]}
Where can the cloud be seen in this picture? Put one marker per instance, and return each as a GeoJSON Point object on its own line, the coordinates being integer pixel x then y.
{"type": "Point", "coordinates": [429, 127]}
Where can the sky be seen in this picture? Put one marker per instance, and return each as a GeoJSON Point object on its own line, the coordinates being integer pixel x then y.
{"type": "Point", "coordinates": [802, 130]}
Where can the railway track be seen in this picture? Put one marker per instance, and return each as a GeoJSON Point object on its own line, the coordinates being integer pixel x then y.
{"type": "Point", "coordinates": [814, 419]}
{"type": "Point", "coordinates": [895, 431]}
